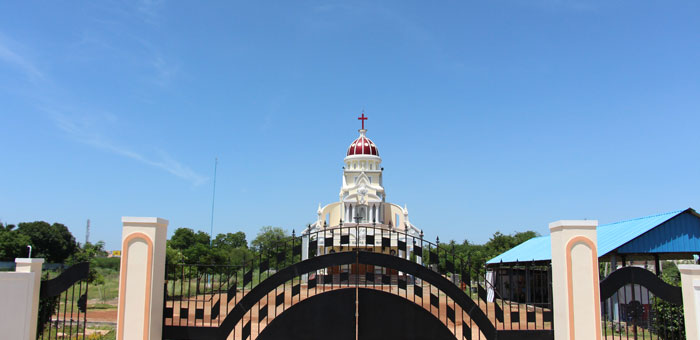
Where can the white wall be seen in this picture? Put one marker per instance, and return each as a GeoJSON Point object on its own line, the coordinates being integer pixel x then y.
{"type": "Point", "coordinates": [16, 295]}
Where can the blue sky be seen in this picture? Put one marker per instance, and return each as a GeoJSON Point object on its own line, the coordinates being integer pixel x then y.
{"type": "Point", "coordinates": [490, 116]}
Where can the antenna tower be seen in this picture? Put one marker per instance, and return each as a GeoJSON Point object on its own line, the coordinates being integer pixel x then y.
{"type": "Point", "coordinates": [213, 196]}
{"type": "Point", "coordinates": [87, 232]}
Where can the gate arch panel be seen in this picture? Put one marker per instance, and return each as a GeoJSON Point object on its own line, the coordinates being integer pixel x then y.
{"type": "Point", "coordinates": [343, 258]}
{"type": "Point", "coordinates": [626, 275]}
{"type": "Point", "coordinates": [311, 319]}
{"type": "Point", "coordinates": [385, 316]}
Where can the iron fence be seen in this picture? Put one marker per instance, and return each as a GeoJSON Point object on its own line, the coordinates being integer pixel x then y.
{"type": "Point", "coordinates": [201, 297]}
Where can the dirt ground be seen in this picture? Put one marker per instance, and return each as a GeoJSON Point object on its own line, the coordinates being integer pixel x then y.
{"type": "Point", "coordinates": [102, 315]}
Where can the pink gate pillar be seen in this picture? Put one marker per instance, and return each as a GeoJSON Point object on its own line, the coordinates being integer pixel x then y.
{"type": "Point", "coordinates": [690, 285]}
{"type": "Point", "coordinates": [141, 278]}
{"type": "Point", "coordinates": [575, 286]}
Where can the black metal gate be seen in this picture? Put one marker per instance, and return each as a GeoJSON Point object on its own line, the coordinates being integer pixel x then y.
{"type": "Point", "coordinates": [62, 304]}
{"type": "Point", "coordinates": [392, 276]}
{"type": "Point", "coordinates": [636, 304]}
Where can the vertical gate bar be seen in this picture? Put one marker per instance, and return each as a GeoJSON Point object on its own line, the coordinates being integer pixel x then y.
{"type": "Point", "coordinates": [635, 316]}
{"type": "Point", "coordinates": [65, 309]}
{"type": "Point", "coordinates": [624, 298]}
{"type": "Point", "coordinates": [197, 281]}
{"type": "Point", "coordinates": [165, 294]}
{"type": "Point", "coordinates": [57, 310]}
{"type": "Point", "coordinates": [604, 316]}
{"type": "Point", "coordinates": [357, 257]}
{"type": "Point", "coordinates": [510, 295]}
{"type": "Point", "coordinates": [641, 316]}
{"type": "Point", "coordinates": [87, 286]}
{"type": "Point", "coordinates": [51, 319]}
{"type": "Point", "coordinates": [648, 314]}
{"type": "Point", "coordinates": [645, 325]}
{"type": "Point", "coordinates": [228, 288]}
{"type": "Point", "coordinates": [268, 272]}
{"type": "Point", "coordinates": [70, 327]}
{"type": "Point", "coordinates": [374, 242]}
{"type": "Point", "coordinates": [542, 283]}
{"type": "Point", "coordinates": [186, 270]}
{"type": "Point", "coordinates": [182, 294]}
{"type": "Point", "coordinates": [407, 257]}
{"type": "Point", "coordinates": [189, 292]}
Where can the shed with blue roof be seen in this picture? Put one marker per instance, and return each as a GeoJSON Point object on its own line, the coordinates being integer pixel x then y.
{"type": "Point", "coordinates": [672, 235]}
{"type": "Point", "coordinates": [526, 268]}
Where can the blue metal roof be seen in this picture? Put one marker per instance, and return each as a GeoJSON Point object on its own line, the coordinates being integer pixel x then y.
{"type": "Point", "coordinates": [679, 235]}
{"type": "Point", "coordinates": [534, 249]}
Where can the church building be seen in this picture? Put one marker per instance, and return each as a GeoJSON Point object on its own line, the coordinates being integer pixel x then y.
{"type": "Point", "coordinates": [362, 198]}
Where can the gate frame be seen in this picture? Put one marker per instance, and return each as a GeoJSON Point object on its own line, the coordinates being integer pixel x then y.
{"type": "Point", "coordinates": [324, 261]}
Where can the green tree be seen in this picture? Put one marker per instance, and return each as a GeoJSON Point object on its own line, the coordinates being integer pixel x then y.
{"type": "Point", "coordinates": [12, 243]}
{"type": "Point", "coordinates": [669, 317]}
{"type": "Point", "coordinates": [53, 242]}
{"type": "Point", "coordinates": [269, 238]}
{"type": "Point", "coordinates": [478, 254]}
{"type": "Point", "coordinates": [185, 238]}
{"type": "Point", "coordinates": [230, 240]}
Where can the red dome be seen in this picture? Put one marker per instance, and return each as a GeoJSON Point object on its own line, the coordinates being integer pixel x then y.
{"type": "Point", "coordinates": [363, 146]}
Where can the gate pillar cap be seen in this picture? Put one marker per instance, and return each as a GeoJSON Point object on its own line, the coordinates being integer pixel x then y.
{"type": "Point", "coordinates": [28, 261]}
{"type": "Point", "coordinates": [148, 220]}
{"type": "Point", "coordinates": [689, 268]}
{"type": "Point", "coordinates": [573, 224]}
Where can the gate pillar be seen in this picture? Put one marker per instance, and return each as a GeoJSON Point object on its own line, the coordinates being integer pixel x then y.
{"type": "Point", "coordinates": [141, 278]}
{"type": "Point", "coordinates": [575, 286]}
{"type": "Point", "coordinates": [19, 293]}
{"type": "Point", "coordinates": [690, 286]}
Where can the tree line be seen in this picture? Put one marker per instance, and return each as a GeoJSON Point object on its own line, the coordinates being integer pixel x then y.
{"type": "Point", "coordinates": [52, 242]}
{"type": "Point", "coordinates": [190, 247]}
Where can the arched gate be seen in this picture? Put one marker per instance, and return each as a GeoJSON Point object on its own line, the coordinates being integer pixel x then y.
{"type": "Point", "coordinates": [367, 284]}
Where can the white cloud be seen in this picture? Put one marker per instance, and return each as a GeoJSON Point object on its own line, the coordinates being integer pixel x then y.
{"type": "Point", "coordinates": [83, 130]}
{"type": "Point", "coordinates": [11, 57]}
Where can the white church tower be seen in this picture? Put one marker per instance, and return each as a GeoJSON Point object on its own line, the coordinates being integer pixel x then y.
{"type": "Point", "coordinates": [362, 199]}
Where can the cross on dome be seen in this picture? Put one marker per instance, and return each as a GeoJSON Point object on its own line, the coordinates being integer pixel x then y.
{"type": "Point", "coordinates": [362, 145]}
{"type": "Point", "coordinates": [362, 118]}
